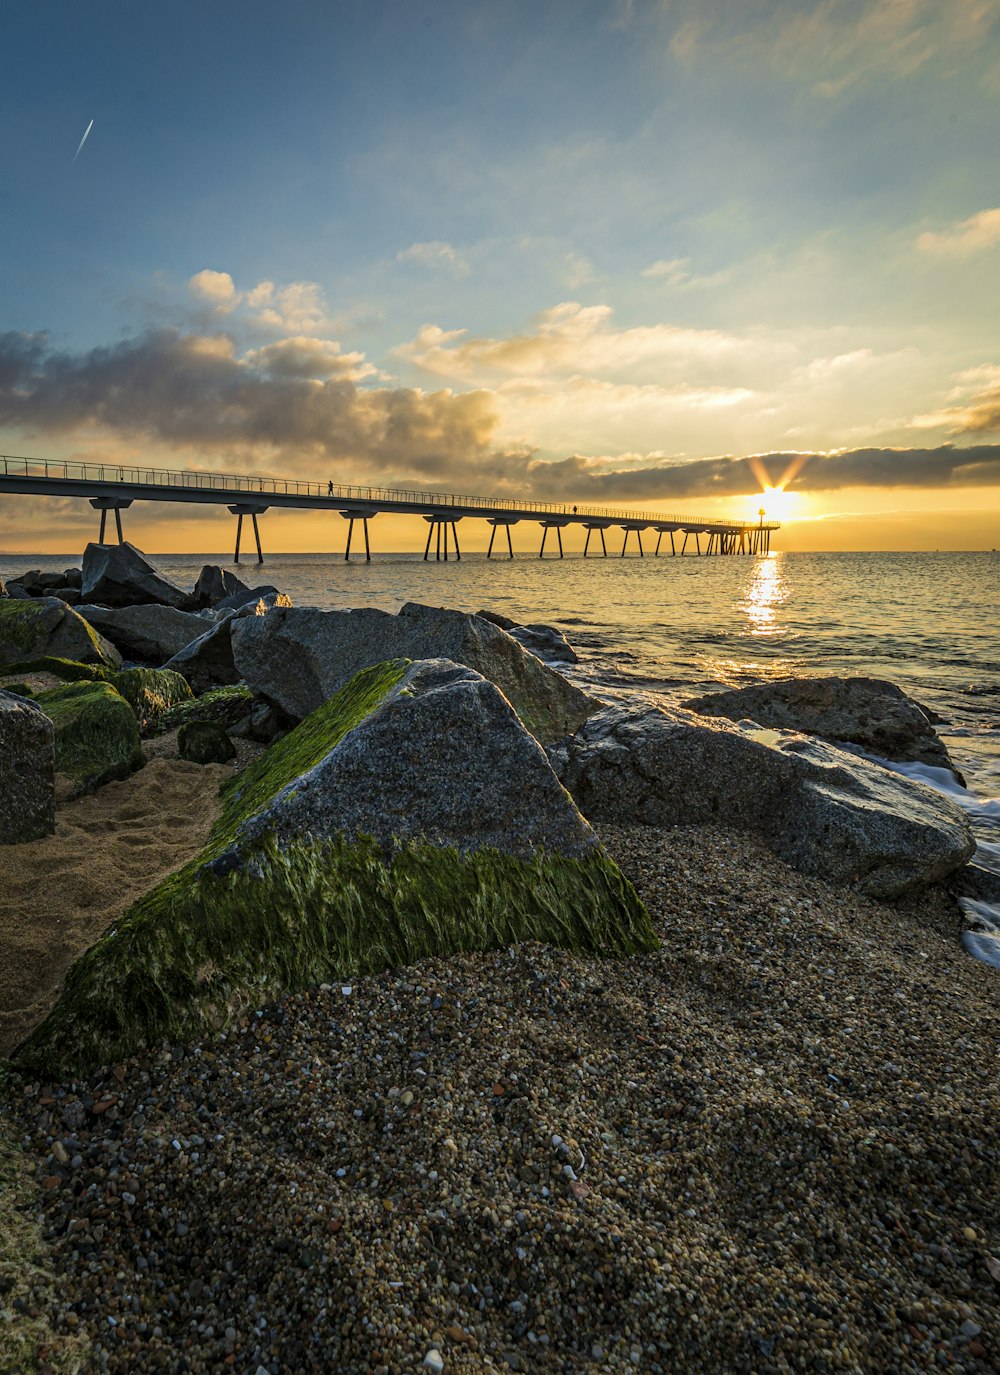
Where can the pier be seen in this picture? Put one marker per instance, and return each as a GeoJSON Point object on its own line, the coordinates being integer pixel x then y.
{"type": "Point", "coordinates": [113, 487]}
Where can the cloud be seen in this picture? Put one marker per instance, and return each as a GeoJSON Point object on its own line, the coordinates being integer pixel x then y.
{"type": "Point", "coordinates": [570, 339]}
{"type": "Point", "coordinates": [965, 238]}
{"type": "Point", "coordinates": [434, 254]}
{"type": "Point", "coordinates": [978, 411]}
{"type": "Point", "coordinates": [296, 401]}
{"type": "Point", "coordinates": [671, 270]}
{"type": "Point", "coordinates": [298, 308]}
{"type": "Point", "coordinates": [833, 47]}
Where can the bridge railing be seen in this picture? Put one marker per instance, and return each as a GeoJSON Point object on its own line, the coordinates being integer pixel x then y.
{"type": "Point", "coordinates": [74, 470]}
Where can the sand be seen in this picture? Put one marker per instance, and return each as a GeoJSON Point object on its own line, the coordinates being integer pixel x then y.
{"type": "Point", "coordinates": [59, 894]}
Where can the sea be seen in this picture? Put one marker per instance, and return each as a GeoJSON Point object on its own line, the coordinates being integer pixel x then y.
{"type": "Point", "coordinates": [669, 628]}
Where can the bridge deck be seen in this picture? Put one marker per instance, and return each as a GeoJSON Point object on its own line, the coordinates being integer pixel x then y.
{"type": "Point", "coordinates": [39, 477]}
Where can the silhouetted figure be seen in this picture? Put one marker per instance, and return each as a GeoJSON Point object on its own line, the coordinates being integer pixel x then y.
{"type": "Point", "coordinates": [329, 489]}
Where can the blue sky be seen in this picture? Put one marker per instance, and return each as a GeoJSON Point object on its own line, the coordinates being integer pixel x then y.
{"type": "Point", "coordinates": [561, 247]}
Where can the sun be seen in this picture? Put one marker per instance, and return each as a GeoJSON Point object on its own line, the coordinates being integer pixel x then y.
{"type": "Point", "coordinates": [778, 504]}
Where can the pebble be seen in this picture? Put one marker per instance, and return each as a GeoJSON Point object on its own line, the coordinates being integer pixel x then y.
{"type": "Point", "coordinates": [635, 1199]}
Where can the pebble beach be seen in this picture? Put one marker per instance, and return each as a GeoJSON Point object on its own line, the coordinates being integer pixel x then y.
{"type": "Point", "coordinates": [769, 1146]}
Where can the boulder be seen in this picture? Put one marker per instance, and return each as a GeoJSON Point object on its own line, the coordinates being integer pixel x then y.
{"type": "Point", "coordinates": [46, 626]}
{"type": "Point", "coordinates": [151, 632]}
{"type": "Point", "coordinates": [239, 598]}
{"type": "Point", "coordinates": [207, 662]}
{"type": "Point", "coordinates": [312, 874]}
{"type": "Point", "coordinates": [15, 591]}
{"type": "Point", "coordinates": [118, 575]}
{"type": "Point", "coordinates": [205, 742]}
{"type": "Point", "coordinates": [215, 583]}
{"type": "Point", "coordinates": [297, 659]}
{"type": "Point", "coordinates": [871, 713]}
{"type": "Point", "coordinates": [97, 738]}
{"type": "Point", "coordinates": [151, 692]}
{"type": "Point", "coordinates": [822, 810]}
{"type": "Point", "coordinates": [40, 584]}
{"type": "Point", "coordinates": [229, 706]}
{"type": "Point", "coordinates": [545, 641]}
{"type": "Point", "coordinates": [27, 771]}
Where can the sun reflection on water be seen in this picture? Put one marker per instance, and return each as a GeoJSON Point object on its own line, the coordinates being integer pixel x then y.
{"type": "Point", "coordinates": [765, 594]}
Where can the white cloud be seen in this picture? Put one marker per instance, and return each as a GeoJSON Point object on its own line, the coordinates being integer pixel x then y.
{"type": "Point", "coordinates": [217, 288]}
{"type": "Point", "coordinates": [298, 308]}
{"type": "Point", "coordinates": [434, 253]}
{"type": "Point", "coordinates": [965, 238]}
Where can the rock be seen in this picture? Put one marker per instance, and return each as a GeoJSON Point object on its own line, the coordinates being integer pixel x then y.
{"type": "Point", "coordinates": [261, 606]}
{"type": "Point", "coordinates": [226, 705]}
{"type": "Point", "coordinates": [207, 662]}
{"type": "Point", "coordinates": [38, 584]}
{"type": "Point", "coordinates": [433, 1361]}
{"type": "Point", "coordinates": [16, 592]}
{"type": "Point", "coordinates": [118, 575]}
{"type": "Point", "coordinates": [297, 659]}
{"type": "Point", "coordinates": [205, 742]}
{"type": "Point", "coordinates": [73, 577]}
{"type": "Point", "coordinates": [215, 583]}
{"type": "Point", "coordinates": [46, 626]}
{"type": "Point", "coordinates": [545, 641]}
{"type": "Point", "coordinates": [312, 874]}
{"type": "Point", "coordinates": [869, 712]}
{"type": "Point", "coordinates": [151, 632]}
{"type": "Point", "coordinates": [69, 595]}
{"type": "Point", "coordinates": [234, 600]}
{"type": "Point", "coordinates": [151, 692]}
{"type": "Point", "coordinates": [96, 735]}
{"type": "Point", "coordinates": [27, 771]}
{"type": "Point", "coordinates": [824, 811]}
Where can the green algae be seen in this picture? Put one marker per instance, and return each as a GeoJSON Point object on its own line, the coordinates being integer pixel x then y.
{"type": "Point", "coordinates": [205, 742]}
{"type": "Point", "coordinates": [97, 738]}
{"type": "Point", "coordinates": [225, 705]}
{"type": "Point", "coordinates": [18, 689]}
{"type": "Point", "coordinates": [200, 950]}
{"type": "Point", "coordinates": [19, 622]}
{"type": "Point", "coordinates": [151, 692]}
{"type": "Point", "coordinates": [303, 748]}
{"type": "Point", "coordinates": [212, 941]}
{"type": "Point", "coordinates": [69, 670]}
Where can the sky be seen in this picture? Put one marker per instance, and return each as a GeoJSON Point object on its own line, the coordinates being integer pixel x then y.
{"type": "Point", "coordinates": [683, 256]}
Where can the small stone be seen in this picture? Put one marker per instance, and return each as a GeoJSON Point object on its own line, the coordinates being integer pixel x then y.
{"type": "Point", "coordinates": [434, 1361]}
{"type": "Point", "coordinates": [970, 1329]}
{"type": "Point", "coordinates": [60, 1152]}
{"type": "Point", "coordinates": [969, 1233]}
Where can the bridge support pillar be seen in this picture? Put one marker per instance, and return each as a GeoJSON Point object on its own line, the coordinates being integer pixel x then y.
{"type": "Point", "coordinates": [439, 525]}
{"type": "Point", "coordinates": [590, 527]}
{"type": "Point", "coordinates": [106, 504]}
{"type": "Point", "coordinates": [557, 526]}
{"type": "Point", "coordinates": [244, 509]}
{"type": "Point", "coordinates": [351, 517]}
{"type": "Point", "coordinates": [629, 529]}
{"type": "Point", "coordinates": [495, 521]}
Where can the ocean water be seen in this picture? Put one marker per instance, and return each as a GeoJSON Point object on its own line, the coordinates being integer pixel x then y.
{"type": "Point", "coordinates": [672, 627]}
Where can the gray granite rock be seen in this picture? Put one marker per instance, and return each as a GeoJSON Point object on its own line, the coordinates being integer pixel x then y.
{"type": "Point", "coordinates": [27, 771]}
{"type": "Point", "coordinates": [215, 583]}
{"type": "Point", "coordinates": [297, 659]}
{"type": "Point", "coordinates": [874, 714]}
{"type": "Point", "coordinates": [443, 759]}
{"type": "Point", "coordinates": [234, 600]}
{"type": "Point", "coordinates": [152, 632]}
{"type": "Point", "coordinates": [545, 641]}
{"type": "Point", "coordinates": [205, 742]}
{"type": "Point", "coordinates": [119, 575]}
{"type": "Point", "coordinates": [207, 662]}
{"type": "Point", "coordinates": [821, 809]}
{"type": "Point", "coordinates": [38, 627]}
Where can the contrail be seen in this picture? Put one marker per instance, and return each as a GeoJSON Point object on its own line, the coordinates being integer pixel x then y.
{"type": "Point", "coordinates": [83, 140]}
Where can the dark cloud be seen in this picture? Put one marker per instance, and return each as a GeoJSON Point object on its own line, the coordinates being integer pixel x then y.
{"type": "Point", "coordinates": [194, 392]}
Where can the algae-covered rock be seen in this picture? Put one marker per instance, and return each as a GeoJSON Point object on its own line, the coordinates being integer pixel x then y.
{"type": "Point", "coordinates": [119, 575]}
{"type": "Point", "coordinates": [150, 692]}
{"type": "Point", "coordinates": [297, 659]}
{"type": "Point", "coordinates": [225, 705]}
{"type": "Point", "coordinates": [150, 632]}
{"type": "Point", "coordinates": [205, 742]}
{"type": "Point", "coordinates": [46, 626]}
{"type": "Point", "coordinates": [69, 670]}
{"type": "Point", "coordinates": [411, 815]}
{"type": "Point", "coordinates": [27, 763]}
{"type": "Point", "coordinates": [97, 737]}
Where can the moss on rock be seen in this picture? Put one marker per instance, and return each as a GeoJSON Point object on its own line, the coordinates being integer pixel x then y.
{"type": "Point", "coordinates": [214, 940]}
{"type": "Point", "coordinates": [67, 669]}
{"type": "Point", "coordinates": [150, 692]}
{"type": "Point", "coordinates": [20, 623]}
{"type": "Point", "coordinates": [97, 738]}
{"type": "Point", "coordinates": [47, 625]}
{"type": "Point", "coordinates": [205, 742]}
{"type": "Point", "coordinates": [225, 705]}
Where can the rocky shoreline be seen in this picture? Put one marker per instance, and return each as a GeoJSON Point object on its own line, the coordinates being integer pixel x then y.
{"type": "Point", "coordinates": [744, 1119]}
